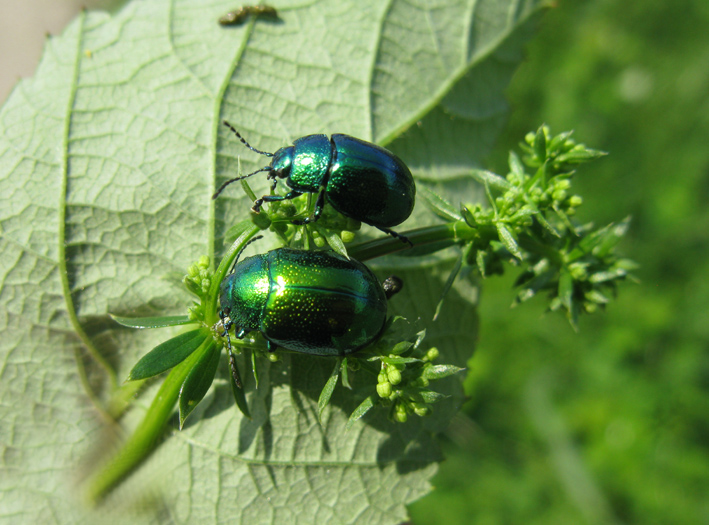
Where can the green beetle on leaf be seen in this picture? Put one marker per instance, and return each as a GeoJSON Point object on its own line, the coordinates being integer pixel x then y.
{"type": "Point", "coordinates": [360, 180]}
{"type": "Point", "coordinates": [310, 302]}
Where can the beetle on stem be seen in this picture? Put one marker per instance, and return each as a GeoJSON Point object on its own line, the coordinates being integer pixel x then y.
{"type": "Point", "coordinates": [360, 180]}
{"type": "Point", "coordinates": [316, 303]}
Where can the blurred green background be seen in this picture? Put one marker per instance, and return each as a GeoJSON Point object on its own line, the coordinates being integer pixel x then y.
{"type": "Point", "coordinates": [610, 425]}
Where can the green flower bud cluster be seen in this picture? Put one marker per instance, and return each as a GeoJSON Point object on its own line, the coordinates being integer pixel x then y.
{"type": "Point", "coordinates": [561, 153]}
{"type": "Point", "coordinates": [199, 277]}
{"type": "Point", "coordinates": [280, 213]}
{"type": "Point", "coordinates": [529, 223]}
{"type": "Point", "coordinates": [332, 224]}
{"type": "Point", "coordinates": [333, 220]}
{"type": "Point", "coordinates": [321, 237]}
{"type": "Point", "coordinates": [197, 281]}
{"type": "Point", "coordinates": [402, 382]}
{"type": "Point", "coordinates": [525, 200]}
{"type": "Point", "coordinates": [554, 158]}
{"type": "Point", "coordinates": [581, 273]}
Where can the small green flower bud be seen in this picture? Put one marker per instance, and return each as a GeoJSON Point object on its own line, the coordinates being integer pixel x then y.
{"type": "Point", "coordinates": [432, 354]}
{"type": "Point", "coordinates": [286, 210]}
{"type": "Point", "coordinates": [273, 358]}
{"type": "Point", "coordinates": [559, 195]}
{"type": "Point", "coordinates": [261, 220]}
{"type": "Point", "coordinates": [384, 390]}
{"type": "Point", "coordinates": [400, 413]}
{"type": "Point", "coordinates": [578, 272]}
{"type": "Point", "coordinates": [191, 286]}
{"type": "Point", "coordinates": [394, 375]}
{"type": "Point", "coordinates": [421, 410]}
{"type": "Point", "coordinates": [575, 201]}
{"type": "Point", "coordinates": [203, 261]}
{"type": "Point", "coordinates": [193, 313]}
{"type": "Point", "coordinates": [319, 242]}
{"type": "Point", "coordinates": [347, 236]}
{"type": "Point", "coordinates": [422, 382]}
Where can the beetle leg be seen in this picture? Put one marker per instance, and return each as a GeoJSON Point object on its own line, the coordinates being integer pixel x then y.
{"type": "Point", "coordinates": [402, 238]}
{"type": "Point", "coordinates": [256, 208]}
{"type": "Point", "coordinates": [316, 212]}
{"type": "Point", "coordinates": [273, 186]}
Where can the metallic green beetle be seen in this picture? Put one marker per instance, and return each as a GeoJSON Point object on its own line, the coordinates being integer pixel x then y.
{"type": "Point", "coordinates": [360, 180]}
{"type": "Point", "coordinates": [310, 302]}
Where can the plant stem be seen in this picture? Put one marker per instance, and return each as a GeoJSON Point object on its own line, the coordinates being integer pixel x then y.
{"type": "Point", "coordinates": [246, 230]}
{"type": "Point", "coordinates": [452, 232]}
{"type": "Point", "coordinates": [148, 432]}
{"type": "Point", "coordinates": [146, 436]}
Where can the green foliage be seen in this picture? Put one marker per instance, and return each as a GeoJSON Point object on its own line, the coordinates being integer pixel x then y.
{"type": "Point", "coordinates": [607, 425]}
{"type": "Point", "coordinates": [108, 160]}
{"type": "Point", "coordinates": [166, 355]}
{"type": "Point", "coordinates": [528, 224]}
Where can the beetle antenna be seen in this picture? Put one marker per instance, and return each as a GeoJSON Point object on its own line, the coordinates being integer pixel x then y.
{"type": "Point", "coordinates": [221, 188]}
{"type": "Point", "coordinates": [242, 251]}
{"type": "Point", "coordinates": [243, 140]}
{"type": "Point", "coordinates": [226, 324]}
{"type": "Point", "coordinates": [232, 366]}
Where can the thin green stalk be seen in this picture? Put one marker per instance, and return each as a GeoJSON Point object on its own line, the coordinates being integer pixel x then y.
{"type": "Point", "coordinates": [455, 232]}
{"type": "Point", "coordinates": [149, 431]}
{"type": "Point", "coordinates": [247, 231]}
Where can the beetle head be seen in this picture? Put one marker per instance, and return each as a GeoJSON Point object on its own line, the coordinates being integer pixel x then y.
{"type": "Point", "coordinates": [282, 162]}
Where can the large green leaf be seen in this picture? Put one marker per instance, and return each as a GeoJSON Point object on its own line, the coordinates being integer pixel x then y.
{"type": "Point", "coordinates": [108, 160]}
